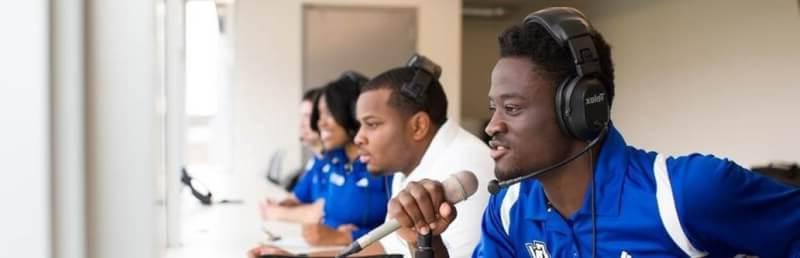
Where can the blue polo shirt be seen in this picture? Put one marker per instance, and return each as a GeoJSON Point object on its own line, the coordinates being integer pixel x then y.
{"type": "Point", "coordinates": [314, 182]}
{"type": "Point", "coordinates": [354, 195]}
{"type": "Point", "coordinates": [722, 210]}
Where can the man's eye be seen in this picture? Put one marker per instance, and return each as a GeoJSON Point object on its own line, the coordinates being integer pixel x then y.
{"type": "Point", "coordinates": [511, 108]}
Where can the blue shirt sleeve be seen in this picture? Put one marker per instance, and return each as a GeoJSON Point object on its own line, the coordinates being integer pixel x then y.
{"type": "Point", "coordinates": [356, 198]}
{"type": "Point", "coordinates": [494, 240]}
{"type": "Point", "coordinates": [728, 210]}
{"type": "Point", "coordinates": [305, 186]}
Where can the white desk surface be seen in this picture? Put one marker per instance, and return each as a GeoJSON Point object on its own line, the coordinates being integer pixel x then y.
{"type": "Point", "coordinates": [229, 230]}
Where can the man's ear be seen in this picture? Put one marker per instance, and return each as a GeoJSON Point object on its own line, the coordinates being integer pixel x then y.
{"type": "Point", "coordinates": [420, 125]}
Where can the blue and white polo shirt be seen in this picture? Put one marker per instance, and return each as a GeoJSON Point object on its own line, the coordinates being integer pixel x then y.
{"type": "Point", "coordinates": [649, 205]}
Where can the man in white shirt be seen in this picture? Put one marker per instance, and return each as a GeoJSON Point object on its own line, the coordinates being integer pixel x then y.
{"type": "Point", "coordinates": [404, 127]}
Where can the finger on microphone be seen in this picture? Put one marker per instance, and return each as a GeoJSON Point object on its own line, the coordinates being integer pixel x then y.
{"type": "Point", "coordinates": [411, 209]}
{"type": "Point", "coordinates": [412, 212]}
{"type": "Point", "coordinates": [424, 201]}
{"type": "Point", "coordinates": [435, 191]}
{"type": "Point", "coordinates": [447, 214]}
{"type": "Point", "coordinates": [424, 230]}
{"type": "Point", "coordinates": [397, 212]}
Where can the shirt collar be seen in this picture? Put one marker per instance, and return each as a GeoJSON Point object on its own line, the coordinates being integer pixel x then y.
{"type": "Point", "coordinates": [610, 171]}
{"type": "Point", "coordinates": [444, 136]}
{"type": "Point", "coordinates": [336, 156]}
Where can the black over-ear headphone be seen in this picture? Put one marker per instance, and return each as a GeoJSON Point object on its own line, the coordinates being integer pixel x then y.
{"type": "Point", "coordinates": [426, 72]}
{"type": "Point", "coordinates": [582, 105]}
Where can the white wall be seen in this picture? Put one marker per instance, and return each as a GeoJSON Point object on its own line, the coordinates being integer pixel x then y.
{"type": "Point", "coordinates": [121, 86]}
{"type": "Point", "coordinates": [25, 220]}
{"type": "Point", "coordinates": [480, 52]}
{"type": "Point", "coordinates": [702, 76]}
{"type": "Point", "coordinates": [707, 76]}
{"type": "Point", "coordinates": [268, 72]}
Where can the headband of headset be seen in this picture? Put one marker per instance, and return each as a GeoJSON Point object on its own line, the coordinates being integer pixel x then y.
{"type": "Point", "coordinates": [570, 29]}
{"type": "Point", "coordinates": [425, 73]}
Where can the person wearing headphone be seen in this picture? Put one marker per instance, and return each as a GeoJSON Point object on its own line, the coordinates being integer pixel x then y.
{"type": "Point", "coordinates": [304, 204]}
{"type": "Point", "coordinates": [355, 201]}
{"type": "Point", "coordinates": [404, 128]}
{"type": "Point", "coordinates": [570, 186]}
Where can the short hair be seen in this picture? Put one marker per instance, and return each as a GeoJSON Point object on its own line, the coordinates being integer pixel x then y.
{"type": "Point", "coordinates": [311, 94]}
{"type": "Point", "coordinates": [553, 61]}
{"type": "Point", "coordinates": [435, 103]}
{"type": "Point", "coordinates": [340, 95]}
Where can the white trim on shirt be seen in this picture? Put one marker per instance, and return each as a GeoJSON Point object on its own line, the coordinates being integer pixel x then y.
{"type": "Point", "coordinates": [667, 210]}
{"type": "Point", "coordinates": [512, 194]}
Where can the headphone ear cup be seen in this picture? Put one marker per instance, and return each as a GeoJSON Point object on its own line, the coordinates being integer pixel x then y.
{"type": "Point", "coordinates": [588, 108]}
{"type": "Point", "coordinates": [562, 100]}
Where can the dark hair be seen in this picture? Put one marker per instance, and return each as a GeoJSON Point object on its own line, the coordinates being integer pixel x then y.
{"type": "Point", "coordinates": [311, 94]}
{"type": "Point", "coordinates": [340, 95]}
{"type": "Point", "coordinates": [552, 61]}
{"type": "Point", "coordinates": [435, 103]}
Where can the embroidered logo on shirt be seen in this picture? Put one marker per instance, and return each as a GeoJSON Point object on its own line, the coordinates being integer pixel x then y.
{"type": "Point", "coordinates": [362, 183]}
{"type": "Point", "coordinates": [336, 179]}
{"type": "Point", "coordinates": [537, 249]}
{"type": "Point", "coordinates": [309, 164]}
{"type": "Point", "coordinates": [625, 255]}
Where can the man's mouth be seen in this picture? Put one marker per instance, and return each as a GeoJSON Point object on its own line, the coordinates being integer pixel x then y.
{"type": "Point", "coordinates": [498, 149]}
{"type": "Point", "coordinates": [364, 156]}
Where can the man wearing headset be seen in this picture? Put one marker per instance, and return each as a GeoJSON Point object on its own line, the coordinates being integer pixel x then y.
{"type": "Point", "coordinates": [404, 128]}
{"type": "Point", "coordinates": [560, 196]}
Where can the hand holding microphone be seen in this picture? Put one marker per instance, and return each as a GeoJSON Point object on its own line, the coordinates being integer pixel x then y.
{"type": "Point", "coordinates": [425, 206]}
{"type": "Point", "coordinates": [421, 207]}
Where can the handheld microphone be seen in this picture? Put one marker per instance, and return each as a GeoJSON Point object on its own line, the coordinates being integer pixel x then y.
{"type": "Point", "coordinates": [457, 187]}
{"type": "Point", "coordinates": [495, 186]}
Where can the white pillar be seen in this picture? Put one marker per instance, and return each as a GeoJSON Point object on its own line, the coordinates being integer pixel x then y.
{"type": "Point", "coordinates": [25, 225]}
{"type": "Point", "coordinates": [121, 93]}
{"type": "Point", "coordinates": [176, 114]}
{"type": "Point", "coordinates": [68, 124]}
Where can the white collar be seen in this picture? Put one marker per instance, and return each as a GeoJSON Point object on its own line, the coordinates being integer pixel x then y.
{"type": "Point", "coordinates": [444, 136]}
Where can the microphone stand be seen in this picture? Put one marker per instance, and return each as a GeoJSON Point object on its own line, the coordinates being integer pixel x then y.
{"type": "Point", "coordinates": [424, 246]}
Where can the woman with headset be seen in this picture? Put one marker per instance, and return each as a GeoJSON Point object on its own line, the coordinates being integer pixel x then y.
{"type": "Point", "coordinates": [304, 203]}
{"type": "Point", "coordinates": [356, 200]}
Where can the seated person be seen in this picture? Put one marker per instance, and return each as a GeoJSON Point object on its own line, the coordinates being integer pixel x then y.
{"type": "Point", "coordinates": [304, 203]}
{"type": "Point", "coordinates": [409, 132]}
{"type": "Point", "coordinates": [356, 200]}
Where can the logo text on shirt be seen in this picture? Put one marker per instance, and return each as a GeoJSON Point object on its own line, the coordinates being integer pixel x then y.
{"type": "Point", "coordinates": [538, 249]}
{"type": "Point", "coordinates": [362, 183]}
{"type": "Point", "coordinates": [337, 179]}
